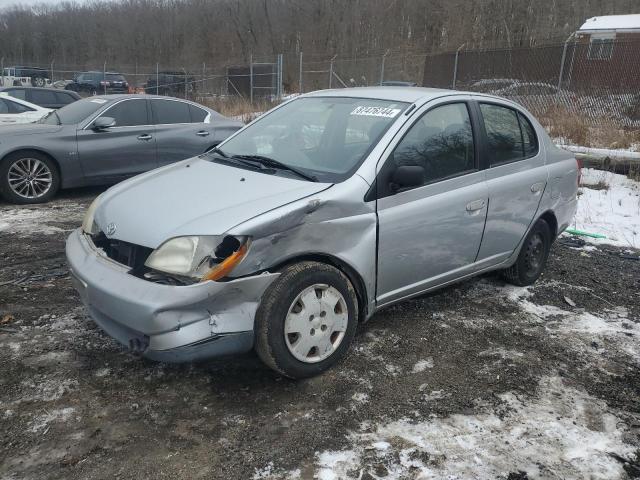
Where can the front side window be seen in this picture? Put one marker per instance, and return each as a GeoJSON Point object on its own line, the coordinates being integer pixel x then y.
{"type": "Point", "coordinates": [441, 142]}
{"type": "Point", "coordinates": [128, 113]}
{"type": "Point", "coordinates": [510, 136]}
{"type": "Point", "coordinates": [15, 107]}
{"type": "Point", "coordinates": [166, 112]}
{"type": "Point", "coordinates": [327, 137]}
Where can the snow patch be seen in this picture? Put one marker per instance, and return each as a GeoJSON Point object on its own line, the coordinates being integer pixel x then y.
{"type": "Point", "coordinates": [613, 211]}
{"type": "Point", "coordinates": [422, 365]}
{"type": "Point", "coordinates": [41, 422]}
{"type": "Point", "coordinates": [562, 432]}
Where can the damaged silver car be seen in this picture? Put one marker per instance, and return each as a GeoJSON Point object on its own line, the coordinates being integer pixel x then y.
{"type": "Point", "coordinates": [316, 215]}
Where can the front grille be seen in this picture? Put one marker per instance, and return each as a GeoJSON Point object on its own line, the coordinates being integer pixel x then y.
{"type": "Point", "coordinates": [125, 253]}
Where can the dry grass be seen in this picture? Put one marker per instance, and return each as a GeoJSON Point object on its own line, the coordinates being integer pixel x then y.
{"type": "Point", "coordinates": [575, 129]}
{"type": "Point", "coordinates": [562, 123]}
{"type": "Point", "coordinates": [237, 107]}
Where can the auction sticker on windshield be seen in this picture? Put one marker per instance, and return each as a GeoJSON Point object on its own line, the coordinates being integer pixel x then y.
{"type": "Point", "coordinates": [376, 112]}
{"type": "Point", "coordinates": [98, 100]}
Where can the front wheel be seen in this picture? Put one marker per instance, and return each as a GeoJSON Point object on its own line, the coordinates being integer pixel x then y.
{"type": "Point", "coordinates": [532, 257]}
{"type": "Point", "coordinates": [307, 320]}
{"type": "Point", "coordinates": [28, 177]}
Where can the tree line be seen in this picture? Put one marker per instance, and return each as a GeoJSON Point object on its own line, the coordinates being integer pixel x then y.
{"type": "Point", "coordinates": [190, 32]}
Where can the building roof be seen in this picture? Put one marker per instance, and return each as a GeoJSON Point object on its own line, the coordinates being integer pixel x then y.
{"type": "Point", "coordinates": [612, 22]}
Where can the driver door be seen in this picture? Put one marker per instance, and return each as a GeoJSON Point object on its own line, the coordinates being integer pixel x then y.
{"type": "Point", "coordinates": [121, 151]}
{"type": "Point", "coordinates": [430, 232]}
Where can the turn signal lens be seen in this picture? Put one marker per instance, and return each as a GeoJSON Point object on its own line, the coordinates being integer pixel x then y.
{"type": "Point", "coordinates": [227, 265]}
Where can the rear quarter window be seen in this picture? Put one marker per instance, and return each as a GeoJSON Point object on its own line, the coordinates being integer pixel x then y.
{"type": "Point", "coordinates": [198, 115]}
{"type": "Point", "coordinates": [510, 135]}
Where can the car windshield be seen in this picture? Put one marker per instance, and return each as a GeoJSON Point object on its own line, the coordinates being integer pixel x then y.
{"type": "Point", "coordinates": [324, 137]}
{"type": "Point", "coordinates": [113, 77]}
{"type": "Point", "coordinates": [74, 112]}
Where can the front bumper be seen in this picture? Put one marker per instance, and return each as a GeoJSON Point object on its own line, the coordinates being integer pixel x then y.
{"type": "Point", "coordinates": [162, 322]}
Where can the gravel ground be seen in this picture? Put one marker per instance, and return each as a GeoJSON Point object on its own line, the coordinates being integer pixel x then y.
{"type": "Point", "coordinates": [480, 380]}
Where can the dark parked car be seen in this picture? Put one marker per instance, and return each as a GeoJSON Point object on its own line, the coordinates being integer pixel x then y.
{"type": "Point", "coordinates": [43, 97]}
{"type": "Point", "coordinates": [102, 140]}
{"type": "Point", "coordinates": [171, 83]}
{"type": "Point", "coordinates": [98, 83]}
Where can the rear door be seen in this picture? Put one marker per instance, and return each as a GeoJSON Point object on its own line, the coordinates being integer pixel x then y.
{"type": "Point", "coordinates": [431, 234]}
{"type": "Point", "coordinates": [516, 177]}
{"type": "Point", "coordinates": [121, 151]}
{"type": "Point", "coordinates": [180, 130]}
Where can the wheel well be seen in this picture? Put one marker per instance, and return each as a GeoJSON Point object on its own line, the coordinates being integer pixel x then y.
{"type": "Point", "coordinates": [354, 277]}
{"type": "Point", "coordinates": [55, 162]}
{"type": "Point", "coordinates": [551, 220]}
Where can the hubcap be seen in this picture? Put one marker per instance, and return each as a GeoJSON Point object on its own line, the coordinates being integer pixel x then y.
{"type": "Point", "coordinates": [535, 253]}
{"type": "Point", "coordinates": [29, 178]}
{"type": "Point", "coordinates": [316, 323]}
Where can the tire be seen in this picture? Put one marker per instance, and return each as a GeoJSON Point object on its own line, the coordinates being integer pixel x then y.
{"type": "Point", "coordinates": [329, 333]}
{"type": "Point", "coordinates": [532, 258]}
{"type": "Point", "coordinates": [44, 175]}
{"type": "Point", "coordinates": [37, 81]}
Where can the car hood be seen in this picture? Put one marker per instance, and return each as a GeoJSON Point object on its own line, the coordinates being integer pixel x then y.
{"type": "Point", "coordinates": [193, 197]}
{"type": "Point", "coordinates": [28, 129]}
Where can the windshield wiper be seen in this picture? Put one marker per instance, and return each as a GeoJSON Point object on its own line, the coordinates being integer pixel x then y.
{"type": "Point", "coordinates": [273, 163]}
{"type": "Point", "coordinates": [219, 152]}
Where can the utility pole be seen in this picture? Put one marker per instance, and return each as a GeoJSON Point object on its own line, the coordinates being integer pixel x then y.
{"type": "Point", "coordinates": [331, 70]}
{"type": "Point", "coordinates": [300, 76]}
{"type": "Point", "coordinates": [455, 67]}
{"type": "Point", "coordinates": [251, 79]}
{"type": "Point", "coordinates": [157, 78]}
{"type": "Point", "coordinates": [382, 67]}
{"type": "Point", "coordinates": [104, 77]}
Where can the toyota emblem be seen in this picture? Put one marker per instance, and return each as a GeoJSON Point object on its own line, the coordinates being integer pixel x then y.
{"type": "Point", "coordinates": [111, 229]}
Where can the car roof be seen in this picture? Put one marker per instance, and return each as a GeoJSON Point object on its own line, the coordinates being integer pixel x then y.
{"type": "Point", "coordinates": [397, 94]}
{"type": "Point", "coordinates": [17, 87]}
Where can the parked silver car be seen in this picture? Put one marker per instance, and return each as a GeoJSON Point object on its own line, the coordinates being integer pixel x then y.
{"type": "Point", "coordinates": [102, 140]}
{"type": "Point", "coordinates": [315, 216]}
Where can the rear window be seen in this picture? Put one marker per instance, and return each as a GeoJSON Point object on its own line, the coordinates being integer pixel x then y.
{"type": "Point", "coordinates": [64, 98]}
{"type": "Point", "coordinates": [166, 112]}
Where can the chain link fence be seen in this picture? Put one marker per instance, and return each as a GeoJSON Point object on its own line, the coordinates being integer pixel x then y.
{"type": "Point", "coordinates": [598, 86]}
{"type": "Point", "coordinates": [584, 92]}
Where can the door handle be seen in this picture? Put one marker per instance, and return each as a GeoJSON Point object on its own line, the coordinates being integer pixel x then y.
{"type": "Point", "coordinates": [537, 187]}
{"type": "Point", "coordinates": [475, 205]}
{"type": "Point", "coordinates": [202, 133]}
{"type": "Point", "coordinates": [145, 137]}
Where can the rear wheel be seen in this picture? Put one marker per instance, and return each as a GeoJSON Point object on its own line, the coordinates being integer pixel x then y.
{"type": "Point", "coordinates": [28, 177]}
{"type": "Point", "coordinates": [307, 320]}
{"type": "Point", "coordinates": [532, 257]}
{"type": "Point", "coordinates": [38, 81]}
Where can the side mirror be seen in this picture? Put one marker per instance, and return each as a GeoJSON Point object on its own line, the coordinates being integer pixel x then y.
{"type": "Point", "coordinates": [406, 177]}
{"type": "Point", "coordinates": [103, 123]}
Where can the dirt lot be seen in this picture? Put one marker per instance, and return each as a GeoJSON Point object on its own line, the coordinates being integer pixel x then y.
{"type": "Point", "coordinates": [481, 380]}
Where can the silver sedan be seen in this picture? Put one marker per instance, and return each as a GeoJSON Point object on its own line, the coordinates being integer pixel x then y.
{"type": "Point", "coordinates": [315, 216]}
{"type": "Point", "coordinates": [102, 140]}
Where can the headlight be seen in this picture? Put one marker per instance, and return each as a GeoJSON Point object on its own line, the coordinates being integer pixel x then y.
{"type": "Point", "coordinates": [88, 224]}
{"type": "Point", "coordinates": [204, 258]}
